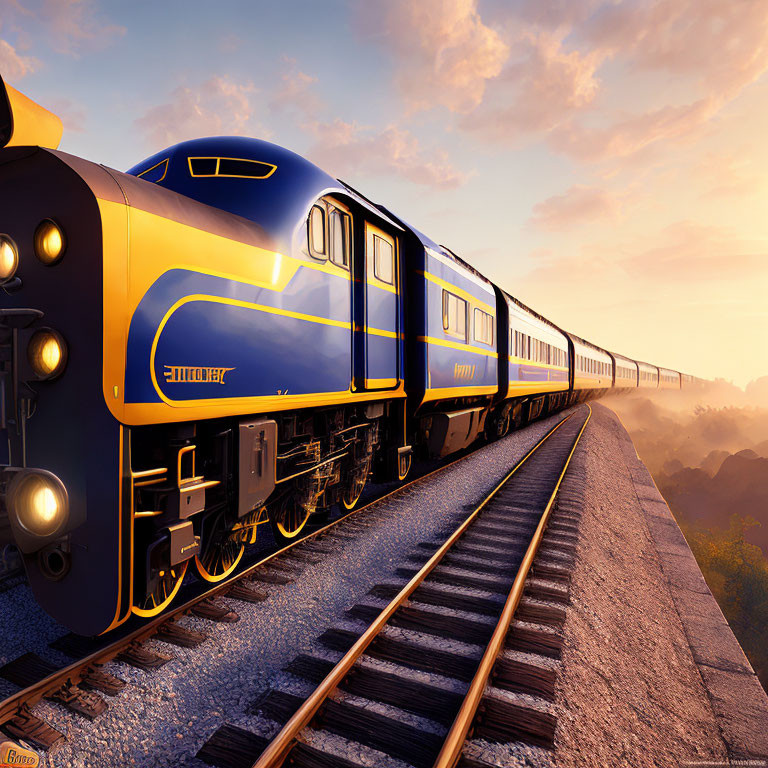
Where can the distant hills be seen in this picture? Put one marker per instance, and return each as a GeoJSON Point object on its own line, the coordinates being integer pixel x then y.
{"type": "Point", "coordinates": [724, 484]}
{"type": "Point", "coordinates": [709, 459]}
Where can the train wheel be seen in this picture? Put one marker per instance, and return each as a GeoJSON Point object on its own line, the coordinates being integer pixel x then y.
{"type": "Point", "coordinates": [227, 545]}
{"type": "Point", "coordinates": [288, 520]}
{"type": "Point", "coordinates": [354, 490]}
{"type": "Point", "coordinates": [169, 583]}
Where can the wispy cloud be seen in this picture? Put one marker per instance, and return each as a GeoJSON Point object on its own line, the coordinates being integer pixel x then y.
{"type": "Point", "coordinates": [445, 53]}
{"type": "Point", "coordinates": [70, 27]}
{"type": "Point", "coordinates": [578, 206]}
{"type": "Point", "coordinates": [14, 66]}
{"type": "Point", "coordinates": [689, 251]}
{"type": "Point", "coordinates": [75, 26]}
{"type": "Point", "coordinates": [223, 106]}
{"type": "Point", "coordinates": [218, 106]}
{"type": "Point", "coordinates": [346, 149]}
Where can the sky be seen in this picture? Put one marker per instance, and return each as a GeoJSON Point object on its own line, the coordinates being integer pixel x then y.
{"type": "Point", "coordinates": [604, 161]}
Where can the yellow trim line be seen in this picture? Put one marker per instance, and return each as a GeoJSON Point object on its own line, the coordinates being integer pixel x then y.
{"type": "Point", "coordinates": [470, 297]}
{"type": "Point", "coordinates": [234, 303]}
{"type": "Point", "coordinates": [537, 364]}
{"type": "Point", "coordinates": [457, 345]}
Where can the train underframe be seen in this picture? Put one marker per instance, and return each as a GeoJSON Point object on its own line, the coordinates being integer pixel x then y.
{"type": "Point", "coordinates": [200, 491]}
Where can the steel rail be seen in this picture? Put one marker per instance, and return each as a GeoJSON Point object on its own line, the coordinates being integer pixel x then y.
{"type": "Point", "coordinates": [457, 735]}
{"type": "Point", "coordinates": [74, 673]}
{"type": "Point", "coordinates": [279, 748]}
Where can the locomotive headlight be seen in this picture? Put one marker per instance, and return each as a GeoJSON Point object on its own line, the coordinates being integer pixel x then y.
{"type": "Point", "coordinates": [9, 259]}
{"type": "Point", "coordinates": [47, 353]}
{"type": "Point", "coordinates": [38, 500]}
{"type": "Point", "coordinates": [50, 242]}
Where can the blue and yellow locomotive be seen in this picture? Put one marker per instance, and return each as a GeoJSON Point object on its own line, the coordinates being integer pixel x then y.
{"type": "Point", "coordinates": [223, 337]}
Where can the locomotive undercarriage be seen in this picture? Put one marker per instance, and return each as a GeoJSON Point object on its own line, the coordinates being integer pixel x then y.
{"type": "Point", "coordinates": [200, 491]}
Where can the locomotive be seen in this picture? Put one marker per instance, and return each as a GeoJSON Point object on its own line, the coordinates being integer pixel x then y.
{"type": "Point", "coordinates": [226, 337]}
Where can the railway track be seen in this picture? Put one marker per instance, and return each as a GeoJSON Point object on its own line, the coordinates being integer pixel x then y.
{"type": "Point", "coordinates": [440, 658]}
{"type": "Point", "coordinates": [82, 685]}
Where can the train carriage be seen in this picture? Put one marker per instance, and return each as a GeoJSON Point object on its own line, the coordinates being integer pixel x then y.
{"type": "Point", "coordinates": [454, 350]}
{"type": "Point", "coordinates": [668, 379]}
{"type": "Point", "coordinates": [592, 370]}
{"type": "Point", "coordinates": [648, 377]}
{"type": "Point", "coordinates": [536, 376]}
{"type": "Point", "coordinates": [625, 373]}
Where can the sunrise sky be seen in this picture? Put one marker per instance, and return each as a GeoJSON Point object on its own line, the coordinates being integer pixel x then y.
{"type": "Point", "coordinates": [604, 161]}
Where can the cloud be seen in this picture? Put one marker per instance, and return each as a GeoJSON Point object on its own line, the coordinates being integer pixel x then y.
{"type": "Point", "coordinates": [444, 51]}
{"type": "Point", "coordinates": [627, 137]}
{"type": "Point", "coordinates": [577, 206]}
{"type": "Point", "coordinates": [218, 106]}
{"type": "Point", "coordinates": [14, 66]}
{"type": "Point", "coordinates": [541, 70]}
{"type": "Point", "coordinates": [346, 149]}
{"type": "Point", "coordinates": [687, 252]}
{"type": "Point", "coordinates": [295, 92]}
{"type": "Point", "coordinates": [74, 26]}
{"type": "Point", "coordinates": [717, 47]}
{"type": "Point", "coordinates": [65, 26]}
{"type": "Point", "coordinates": [542, 87]}
{"type": "Point", "coordinates": [222, 106]}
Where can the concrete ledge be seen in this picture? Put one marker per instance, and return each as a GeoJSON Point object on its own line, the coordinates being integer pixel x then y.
{"type": "Point", "coordinates": [739, 703]}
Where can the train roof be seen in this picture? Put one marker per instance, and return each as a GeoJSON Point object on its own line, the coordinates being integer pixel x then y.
{"type": "Point", "coordinates": [252, 178]}
{"type": "Point", "coordinates": [578, 340]}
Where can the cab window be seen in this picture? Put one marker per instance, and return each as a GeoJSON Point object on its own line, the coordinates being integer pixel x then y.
{"type": "Point", "coordinates": [383, 260]}
{"type": "Point", "coordinates": [454, 315]}
{"type": "Point", "coordinates": [317, 245]}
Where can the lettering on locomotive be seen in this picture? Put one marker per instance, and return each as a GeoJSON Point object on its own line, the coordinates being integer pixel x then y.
{"type": "Point", "coordinates": [464, 371]}
{"type": "Point", "coordinates": [191, 374]}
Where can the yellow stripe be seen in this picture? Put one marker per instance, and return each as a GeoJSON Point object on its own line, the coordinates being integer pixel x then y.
{"type": "Point", "coordinates": [519, 388]}
{"type": "Point", "coordinates": [548, 366]}
{"type": "Point", "coordinates": [457, 345]}
{"type": "Point", "coordinates": [380, 383]}
{"type": "Point", "coordinates": [581, 382]}
{"type": "Point", "coordinates": [471, 298]}
{"type": "Point", "coordinates": [381, 332]}
{"type": "Point", "coordinates": [159, 413]}
{"type": "Point", "coordinates": [234, 303]}
{"type": "Point", "coordinates": [439, 393]}
{"type": "Point", "coordinates": [376, 283]}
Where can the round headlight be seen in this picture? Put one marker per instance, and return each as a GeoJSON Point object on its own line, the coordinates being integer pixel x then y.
{"type": "Point", "coordinates": [47, 353]}
{"type": "Point", "coordinates": [9, 259]}
{"type": "Point", "coordinates": [39, 502]}
{"type": "Point", "coordinates": [50, 243]}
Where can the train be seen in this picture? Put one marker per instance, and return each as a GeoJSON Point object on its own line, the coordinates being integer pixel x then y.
{"type": "Point", "coordinates": [226, 337]}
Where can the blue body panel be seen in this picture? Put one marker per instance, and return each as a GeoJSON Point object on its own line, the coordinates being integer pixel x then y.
{"type": "Point", "coordinates": [461, 366]}
{"type": "Point", "coordinates": [270, 353]}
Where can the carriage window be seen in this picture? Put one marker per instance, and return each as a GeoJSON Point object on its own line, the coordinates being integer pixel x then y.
{"type": "Point", "coordinates": [338, 224]}
{"type": "Point", "coordinates": [317, 232]}
{"type": "Point", "coordinates": [483, 327]}
{"type": "Point", "coordinates": [383, 260]}
{"type": "Point", "coordinates": [454, 315]}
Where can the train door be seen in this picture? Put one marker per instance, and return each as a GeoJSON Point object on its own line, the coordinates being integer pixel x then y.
{"type": "Point", "coordinates": [381, 349]}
